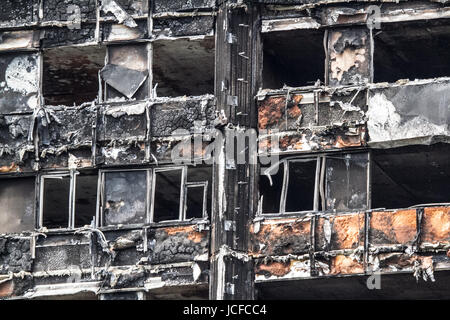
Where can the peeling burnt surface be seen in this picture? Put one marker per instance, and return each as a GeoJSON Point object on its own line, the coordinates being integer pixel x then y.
{"type": "Point", "coordinates": [340, 232]}
{"type": "Point", "coordinates": [131, 7]}
{"type": "Point", "coordinates": [18, 82]}
{"type": "Point", "coordinates": [18, 12]}
{"type": "Point", "coordinates": [15, 255]}
{"type": "Point", "coordinates": [393, 227]}
{"type": "Point", "coordinates": [410, 240]}
{"type": "Point", "coordinates": [118, 32]}
{"type": "Point", "coordinates": [14, 143]}
{"type": "Point", "coordinates": [187, 26]}
{"type": "Point", "coordinates": [58, 10]}
{"type": "Point", "coordinates": [349, 56]}
{"type": "Point", "coordinates": [71, 128]}
{"type": "Point", "coordinates": [334, 137]}
{"type": "Point", "coordinates": [168, 117]}
{"type": "Point", "coordinates": [416, 111]}
{"type": "Point", "coordinates": [282, 239]}
{"type": "Point", "coordinates": [54, 36]}
{"type": "Point", "coordinates": [338, 121]}
{"type": "Point", "coordinates": [174, 5]}
{"type": "Point", "coordinates": [179, 244]}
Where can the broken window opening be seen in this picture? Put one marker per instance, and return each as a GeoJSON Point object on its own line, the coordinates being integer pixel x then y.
{"type": "Point", "coordinates": [346, 182]}
{"type": "Point", "coordinates": [85, 199]}
{"type": "Point", "coordinates": [126, 74]}
{"type": "Point", "coordinates": [270, 187]}
{"type": "Point", "coordinates": [124, 197]}
{"type": "Point", "coordinates": [335, 182]}
{"type": "Point", "coordinates": [295, 58]}
{"type": "Point", "coordinates": [198, 176]}
{"type": "Point", "coordinates": [196, 198]}
{"type": "Point", "coordinates": [17, 198]}
{"type": "Point", "coordinates": [183, 67]}
{"type": "Point", "coordinates": [154, 195]}
{"type": "Point", "coordinates": [301, 184]}
{"type": "Point", "coordinates": [167, 194]}
{"type": "Point", "coordinates": [416, 50]}
{"type": "Point", "coordinates": [71, 74]}
{"type": "Point", "coordinates": [410, 176]}
{"type": "Point", "coordinates": [55, 204]}
{"type": "Point", "coordinates": [67, 200]}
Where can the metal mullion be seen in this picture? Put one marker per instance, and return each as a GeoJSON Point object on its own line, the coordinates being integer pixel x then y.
{"type": "Point", "coordinates": [152, 200]}
{"type": "Point", "coordinates": [99, 206]}
{"type": "Point", "coordinates": [317, 185]}
{"type": "Point", "coordinates": [285, 186]}
{"type": "Point", "coordinates": [148, 205]}
{"type": "Point", "coordinates": [72, 191]}
{"type": "Point", "coordinates": [182, 212]}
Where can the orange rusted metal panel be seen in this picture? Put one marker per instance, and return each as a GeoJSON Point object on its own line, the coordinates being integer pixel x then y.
{"type": "Point", "coordinates": [272, 111]}
{"type": "Point", "coordinates": [345, 265]}
{"type": "Point", "coordinates": [289, 237]}
{"type": "Point", "coordinates": [436, 225]}
{"type": "Point", "coordinates": [6, 289]}
{"type": "Point", "coordinates": [393, 227]}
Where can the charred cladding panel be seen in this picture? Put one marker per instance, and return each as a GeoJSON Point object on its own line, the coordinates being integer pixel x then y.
{"type": "Point", "coordinates": [69, 10]}
{"type": "Point", "coordinates": [19, 78]}
{"type": "Point", "coordinates": [175, 5]}
{"type": "Point", "coordinates": [17, 203]}
{"type": "Point", "coordinates": [18, 12]}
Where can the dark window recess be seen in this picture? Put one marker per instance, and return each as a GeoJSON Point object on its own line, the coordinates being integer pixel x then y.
{"type": "Point", "coordinates": [125, 197]}
{"type": "Point", "coordinates": [17, 205]}
{"type": "Point", "coordinates": [85, 199]}
{"type": "Point", "coordinates": [197, 175]}
{"type": "Point", "coordinates": [346, 182]}
{"type": "Point", "coordinates": [271, 193]}
{"type": "Point", "coordinates": [412, 175]}
{"type": "Point", "coordinates": [55, 207]}
{"type": "Point", "coordinates": [183, 67]}
{"type": "Point", "coordinates": [167, 195]}
{"type": "Point", "coordinates": [126, 74]}
{"type": "Point", "coordinates": [295, 58]}
{"type": "Point", "coordinates": [194, 201]}
{"type": "Point", "coordinates": [71, 74]}
{"type": "Point", "coordinates": [300, 189]}
{"type": "Point", "coordinates": [411, 51]}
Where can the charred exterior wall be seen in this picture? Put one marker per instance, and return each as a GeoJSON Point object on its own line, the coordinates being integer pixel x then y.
{"type": "Point", "coordinates": [99, 100]}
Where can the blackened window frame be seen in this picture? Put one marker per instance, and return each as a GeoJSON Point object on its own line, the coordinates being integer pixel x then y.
{"type": "Point", "coordinates": [72, 174]}
{"type": "Point", "coordinates": [150, 195]}
{"type": "Point", "coordinates": [320, 183]}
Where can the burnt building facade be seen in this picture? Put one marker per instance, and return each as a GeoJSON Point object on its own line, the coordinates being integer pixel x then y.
{"type": "Point", "coordinates": [206, 149]}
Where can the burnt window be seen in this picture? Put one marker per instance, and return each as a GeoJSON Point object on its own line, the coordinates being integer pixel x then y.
{"type": "Point", "coordinates": [408, 50]}
{"type": "Point", "coordinates": [126, 74]}
{"type": "Point", "coordinates": [183, 67]}
{"type": "Point", "coordinates": [17, 198]}
{"type": "Point", "coordinates": [334, 182]}
{"type": "Point", "coordinates": [196, 199]}
{"type": "Point", "coordinates": [198, 192]}
{"type": "Point", "coordinates": [125, 197]}
{"type": "Point", "coordinates": [295, 58]}
{"type": "Point", "coordinates": [167, 195]}
{"type": "Point", "coordinates": [155, 195]}
{"type": "Point", "coordinates": [411, 175]}
{"type": "Point", "coordinates": [71, 74]}
{"type": "Point", "coordinates": [301, 180]}
{"type": "Point", "coordinates": [67, 200]}
{"type": "Point", "coordinates": [270, 187]}
{"type": "Point", "coordinates": [346, 182]}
